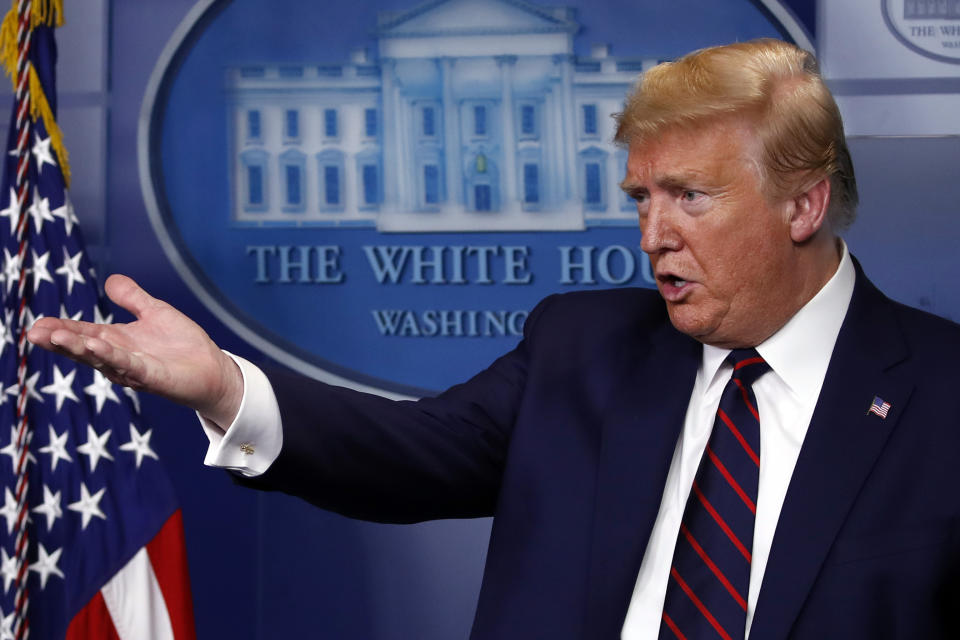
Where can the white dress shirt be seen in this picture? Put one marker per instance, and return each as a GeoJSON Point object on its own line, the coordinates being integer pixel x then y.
{"type": "Point", "coordinates": [798, 355]}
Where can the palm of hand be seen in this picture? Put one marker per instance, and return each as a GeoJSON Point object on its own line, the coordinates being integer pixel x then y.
{"type": "Point", "coordinates": [162, 351]}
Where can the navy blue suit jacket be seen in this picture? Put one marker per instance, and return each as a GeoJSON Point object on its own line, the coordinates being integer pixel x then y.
{"type": "Point", "coordinates": [567, 441]}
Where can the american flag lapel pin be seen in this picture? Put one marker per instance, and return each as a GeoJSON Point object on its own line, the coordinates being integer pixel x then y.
{"type": "Point", "coordinates": [879, 406]}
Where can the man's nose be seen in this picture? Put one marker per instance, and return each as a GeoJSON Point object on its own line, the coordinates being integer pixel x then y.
{"type": "Point", "coordinates": [658, 232]}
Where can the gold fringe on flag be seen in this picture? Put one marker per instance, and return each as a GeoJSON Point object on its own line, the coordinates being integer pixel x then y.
{"type": "Point", "coordinates": [39, 107]}
{"type": "Point", "coordinates": [48, 13]}
{"type": "Point", "coordinates": [8, 42]}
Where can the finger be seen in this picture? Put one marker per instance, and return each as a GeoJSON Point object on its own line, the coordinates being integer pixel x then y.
{"type": "Point", "coordinates": [115, 362]}
{"type": "Point", "coordinates": [129, 295]}
{"type": "Point", "coordinates": [49, 325]}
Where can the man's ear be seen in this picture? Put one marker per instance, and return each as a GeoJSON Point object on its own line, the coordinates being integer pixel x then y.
{"type": "Point", "coordinates": [809, 212]}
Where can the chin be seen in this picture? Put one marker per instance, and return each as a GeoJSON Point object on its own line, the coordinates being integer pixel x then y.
{"type": "Point", "coordinates": [685, 321]}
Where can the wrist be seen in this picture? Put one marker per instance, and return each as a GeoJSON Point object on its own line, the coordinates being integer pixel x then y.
{"type": "Point", "coordinates": [230, 395]}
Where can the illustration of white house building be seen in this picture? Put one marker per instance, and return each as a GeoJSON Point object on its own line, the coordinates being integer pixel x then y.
{"type": "Point", "coordinates": [473, 115]}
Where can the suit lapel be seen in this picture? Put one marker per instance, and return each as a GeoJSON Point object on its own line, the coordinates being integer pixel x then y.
{"type": "Point", "coordinates": [640, 432]}
{"type": "Point", "coordinates": [838, 453]}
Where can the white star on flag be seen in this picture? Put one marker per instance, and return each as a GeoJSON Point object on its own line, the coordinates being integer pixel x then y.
{"type": "Point", "coordinates": [88, 505]}
{"type": "Point", "coordinates": [11, 448]}
{"type": "Point", "coordinates": [95, 447]}
{"type": "Point", "coordinates": [6, 626]}
{"type": "Point", "coordinates": [31, 384]}
{"type": "Point", "coordinates": [12, 211]}
{"type": "Point", "coordinates": [11, 269]}
{"type": "Point", "coordinates": [8, 569]}
{"type": "Point", "coordinates": [61, 387]}
{"type": "Point", "coordinates": [99, 318]}
{"type": "Point", "coordinates": [41, 151]}
{"type": "Point", "coordinates": [134, 398]}
{"type": "Point", "coordinates": [39, 210]}
{"type": "Point", "coordinates": [57, 447]}
{"type": "Point", "coordinates": [10, 509]}
{"type": "Point", "coordinates": [66, 212]}
{"type": "Point", "coordinates": [46, 564]}
{"type": "Point", "coordinates": [139, 444]}
{"type": "Point", "coordinates": [6, 335]}
{"type": "Point", "coordinates": [71, 269]}
{"type": "Point", "coordinates": [50, 506]}
{"type": "Point", "coordinates": [39, 269]}
{"type": "Point", "coordinates": [66, 316]}
{"type": "Point", "coordinates": [9, 391]}
{"type": "Point", "coordinates": [101, 389]}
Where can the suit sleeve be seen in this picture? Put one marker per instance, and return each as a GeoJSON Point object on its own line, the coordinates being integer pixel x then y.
{"type": "Point", "coordinates": [371, 458]}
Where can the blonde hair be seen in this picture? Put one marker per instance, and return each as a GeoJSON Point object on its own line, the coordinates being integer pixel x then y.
{"type": "Point", "coordinates": [778, 87]}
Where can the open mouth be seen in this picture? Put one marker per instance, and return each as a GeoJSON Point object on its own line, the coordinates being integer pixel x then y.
{"type": "Point", "coordinates": [673, 287]}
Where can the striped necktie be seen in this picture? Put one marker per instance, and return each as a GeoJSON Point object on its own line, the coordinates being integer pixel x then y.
{"type": "Point", "coordinates": [710, 576]}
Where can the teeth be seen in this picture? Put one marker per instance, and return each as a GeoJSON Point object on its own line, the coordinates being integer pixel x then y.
{"type": "Point", "coordinates": [677, 282]}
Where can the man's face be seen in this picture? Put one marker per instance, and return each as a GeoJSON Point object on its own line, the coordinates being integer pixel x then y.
{"type": "Point", "coordinates": [721, 251]}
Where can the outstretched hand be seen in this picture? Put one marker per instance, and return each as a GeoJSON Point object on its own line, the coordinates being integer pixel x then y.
{"type": "Point", "coordinates": [163, 352]}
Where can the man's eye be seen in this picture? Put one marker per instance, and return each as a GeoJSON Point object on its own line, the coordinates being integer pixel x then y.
{"type": "Point", "coordinates": [691, 196]}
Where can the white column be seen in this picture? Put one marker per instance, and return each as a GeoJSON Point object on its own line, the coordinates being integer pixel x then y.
{"type": "Point", "coordinates": [569, 119]}
{"type": "Point", "coordinates": [510, 195]}
{"type": "Point", "coordinates": [451, 134]}
{"type": "Point", "coordinates": [391, 128]}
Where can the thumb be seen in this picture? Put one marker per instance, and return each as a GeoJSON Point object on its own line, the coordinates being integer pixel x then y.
{"type": "Point", "coordinates": [127, 293]}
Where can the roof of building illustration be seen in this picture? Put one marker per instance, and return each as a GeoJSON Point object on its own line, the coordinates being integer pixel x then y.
{"type": "Point", "coordinates": [465, 17]}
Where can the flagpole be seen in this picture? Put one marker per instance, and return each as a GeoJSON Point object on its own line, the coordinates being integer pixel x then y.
{"type": "Point", "coordinates": [21, 625]}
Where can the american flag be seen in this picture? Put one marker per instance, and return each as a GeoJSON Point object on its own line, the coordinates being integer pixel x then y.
{"type": "Point", "coordinates": [879, 407]}
{"type": "Point", "coordinates": [87, 496]}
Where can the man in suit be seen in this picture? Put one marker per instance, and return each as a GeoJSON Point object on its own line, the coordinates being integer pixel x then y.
{"type": "Point", "coordinates": [592, 441]}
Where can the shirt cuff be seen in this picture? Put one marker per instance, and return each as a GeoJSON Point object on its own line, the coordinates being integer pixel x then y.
{"type": "Point", "coordinates": [253, 440]}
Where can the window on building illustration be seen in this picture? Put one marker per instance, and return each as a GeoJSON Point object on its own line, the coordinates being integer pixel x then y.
{"type": "Point", "coordinates": [255, 185]}
{"type": "Point", "coordinates": [330, 123]}
{"type": "Point", "coordinates": [590, 119]}
{"type": "Point", "coordinates": [431, 184]}
{"type": "Point", "coordinates": [481, 196]}
{"type": "Point", "coordinates": [292, 164]}
{"type": "Point", "coordinates": [254, 188]}
{"type": "Point", "coordinates": [480, 120]}
{"type": "Point", "coordinates": [429, 122]}
{"type": "Point", "coordinates": [593, 193]}
{"type": "Point", "coordinates": [528, 123]}
{"type": "Point", "coordinates": [292, 124]}
{"type": "Point", "coordinates": [292, 176]}
{"type": "Point", "coordinates": [331, 185]}
{"type": "Point", "coordinates": [370, 122]}
{"type": "Point", "coordinates": [531, 183]}
{"type": "Point", "coordinates": [253, 124]}
{"type": "Point", "coordinates": [371, 184]}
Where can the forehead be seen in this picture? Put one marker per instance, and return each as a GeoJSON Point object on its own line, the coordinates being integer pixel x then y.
{"type": "Point", "coordinates": [717, 151]}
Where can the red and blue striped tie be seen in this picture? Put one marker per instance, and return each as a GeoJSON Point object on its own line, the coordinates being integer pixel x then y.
{"type": "Point", "coordinates": [710, 575]}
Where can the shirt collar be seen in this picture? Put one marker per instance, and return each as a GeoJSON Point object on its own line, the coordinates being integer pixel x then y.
{"type": "Point", "coordinates": [799, 352]}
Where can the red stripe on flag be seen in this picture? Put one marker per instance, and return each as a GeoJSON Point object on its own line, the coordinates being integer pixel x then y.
{"type": "Point", "coordinates": [739, 436]}
{"type": "Point", "coordinates": [731, 481]}
{"type": "Point", "coordinates": [168, 557]}
{"type": "Point", "coordinates": [696, 601]}
{"type": "Point", "coordinates": [722, 523]}
{"type": "Point", "coordinates": [713, 567]}
{"type": "Point", "coordinates": [93, 621]}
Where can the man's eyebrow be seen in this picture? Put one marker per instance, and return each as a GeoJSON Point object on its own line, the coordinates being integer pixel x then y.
{"type": "Point", "coordinates": [631, 188]}
{"type": "Point", "coordinates": [676, 181]}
